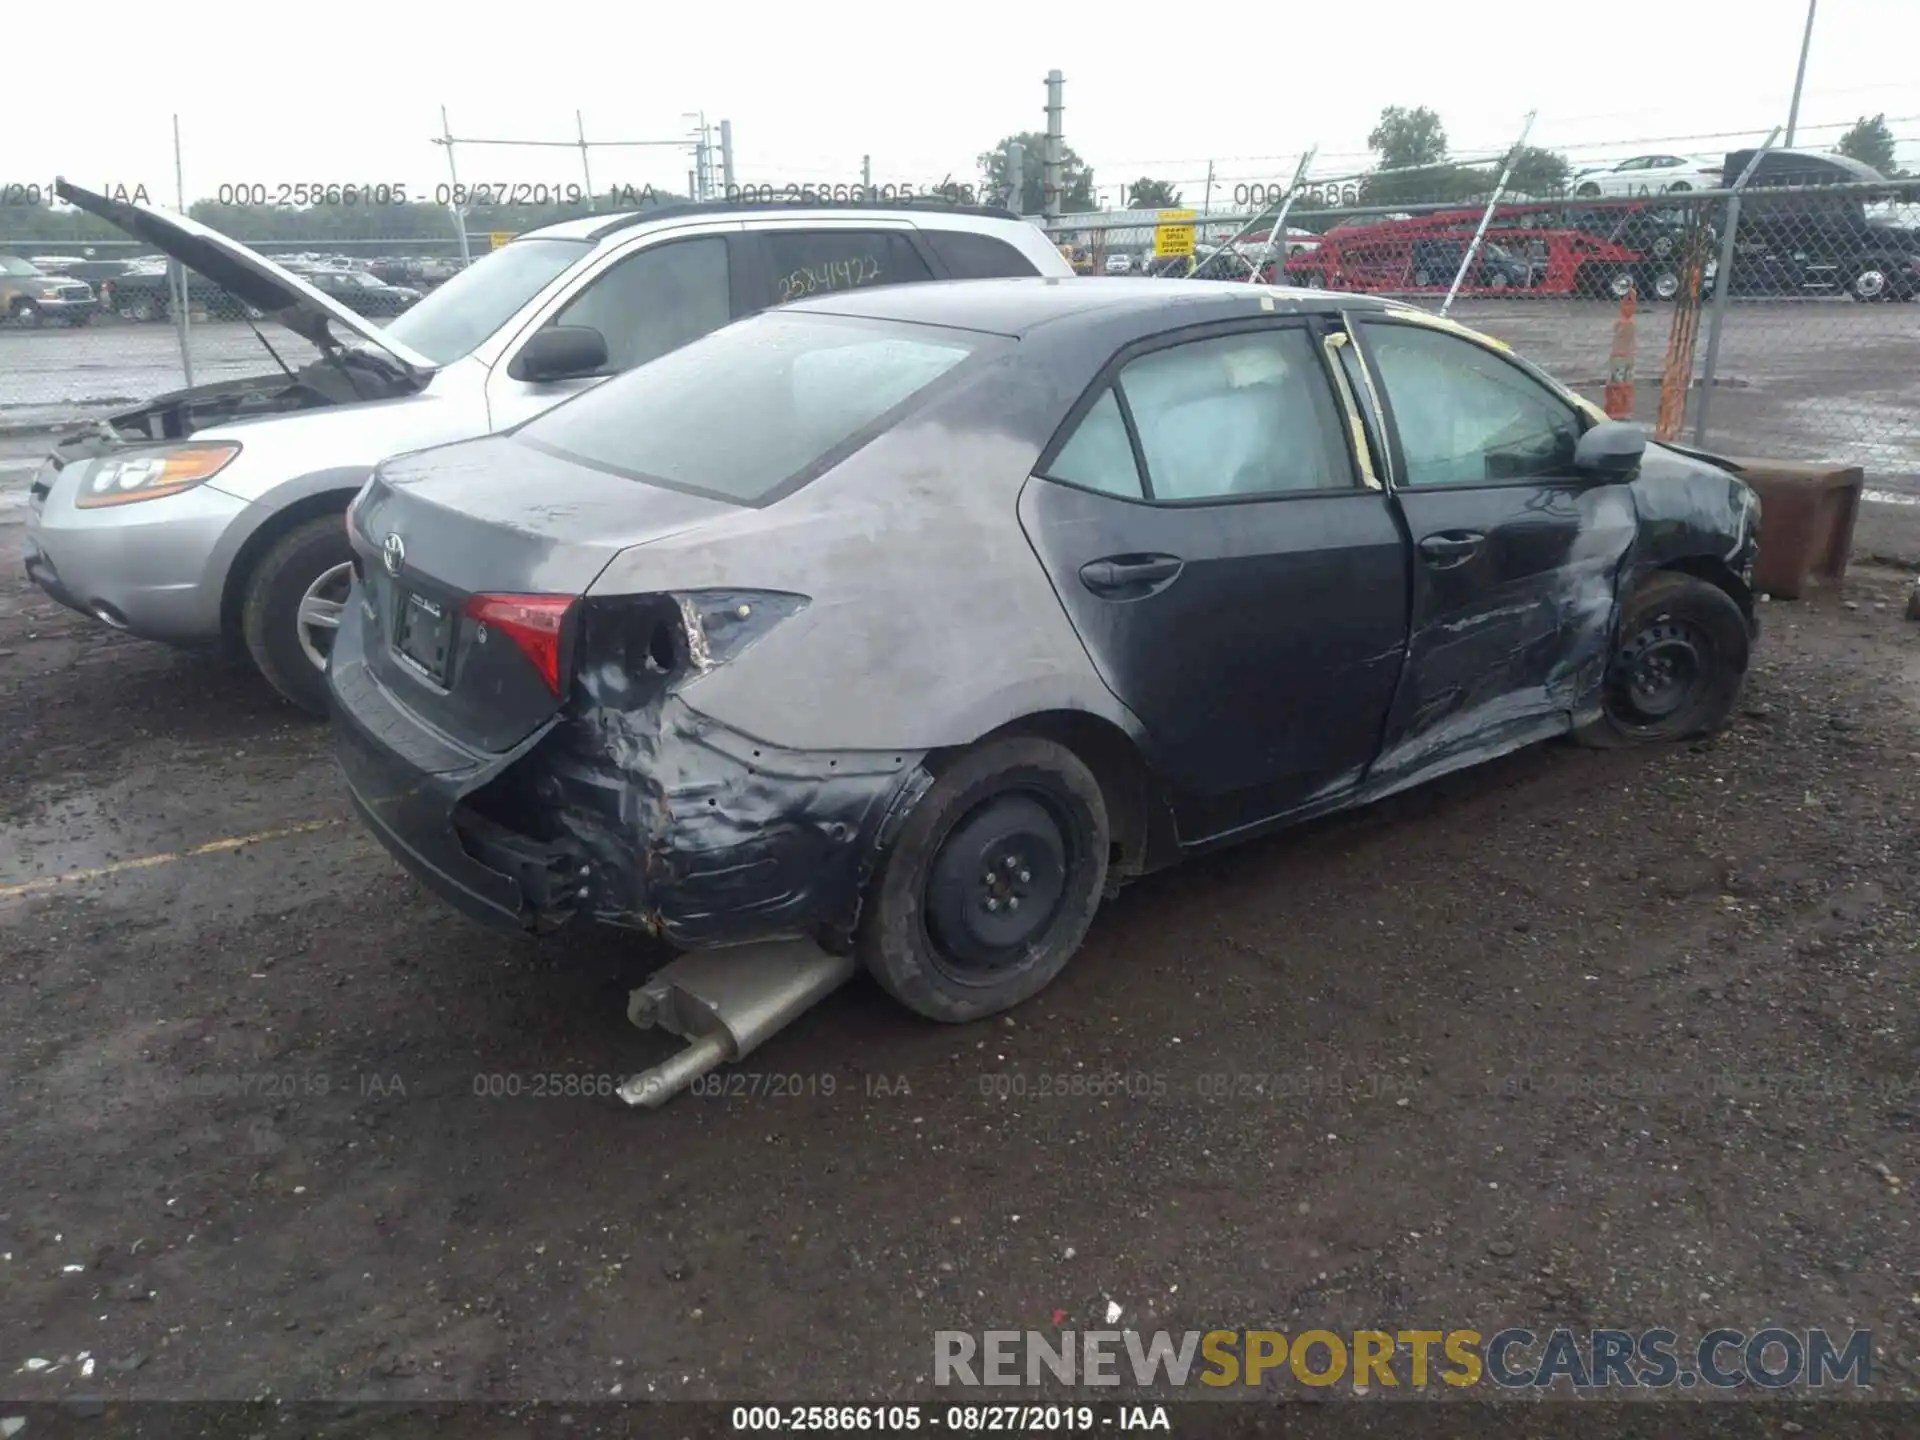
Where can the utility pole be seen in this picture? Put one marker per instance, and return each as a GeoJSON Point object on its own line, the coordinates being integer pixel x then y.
{"type": "Point", "coordinates": [866, 174]}
{"type": "Point", "coordinates": [1800, 75]}
{"type": "Point", "coordinates": [1206, 205]}
{"type": "Point", "coordinates": [182, 277]}
{"type": "Point", "coordinates": [1017, 178]}
{"type": "Point", "coordinates": [586, 170]}
{"type": "Point", "coordinates": [701, 186]}
{"type": "Point", "coordinates": [1055, 159]}
{"type": "Point", "coordinates": [726, 158]}
{"type": "Point", "coordinates": [453, 175]}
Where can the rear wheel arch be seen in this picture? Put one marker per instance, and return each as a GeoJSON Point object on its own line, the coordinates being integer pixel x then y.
{"type": "Point", "coordinates": [1139, 818]}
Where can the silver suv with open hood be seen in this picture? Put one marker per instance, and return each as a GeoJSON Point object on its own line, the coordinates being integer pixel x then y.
{"type": "Point", "coordinates": [213, 514]}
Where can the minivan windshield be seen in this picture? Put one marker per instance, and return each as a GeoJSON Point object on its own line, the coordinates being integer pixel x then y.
{"type": "Point", "coordinates": [11, 266]}
{"type": "Point", "coordinates": [750, 412]}
{"type": "Point", "coordinates": [478, 300]}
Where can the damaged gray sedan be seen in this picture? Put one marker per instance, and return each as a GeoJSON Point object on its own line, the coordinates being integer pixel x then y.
{"type": "Point", "coordinates": [916, 620]}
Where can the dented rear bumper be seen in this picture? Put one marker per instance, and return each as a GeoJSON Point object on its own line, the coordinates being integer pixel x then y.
{"type": "Point", "coordinates": [650, 816]}
{"type": "Point", "coordinates": [409, 785]}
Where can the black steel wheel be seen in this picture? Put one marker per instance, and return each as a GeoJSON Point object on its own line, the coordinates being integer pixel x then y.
{"type": "Point", "coordinates": [1678, 666]}
{"type": "Point", "coordinates": [988, 890]}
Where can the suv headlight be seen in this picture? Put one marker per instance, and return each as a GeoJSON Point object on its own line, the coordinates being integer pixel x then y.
{"type": "Point", "coordinates": [152, 474]}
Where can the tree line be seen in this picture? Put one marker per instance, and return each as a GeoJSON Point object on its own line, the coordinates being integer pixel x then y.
{"type": "Point", "coordinates": [1413, 164]}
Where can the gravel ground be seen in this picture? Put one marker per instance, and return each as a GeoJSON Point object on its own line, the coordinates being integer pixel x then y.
{"type": "Point", "coordinates": [1618, 1039]}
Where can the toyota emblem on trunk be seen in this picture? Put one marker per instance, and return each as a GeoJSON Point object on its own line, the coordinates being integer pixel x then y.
{"type": "Point", "coordinates": [394, 552]}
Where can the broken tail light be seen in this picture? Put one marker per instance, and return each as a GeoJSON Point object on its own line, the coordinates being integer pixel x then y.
{"type": "Point", "coordinates": [532, 622]}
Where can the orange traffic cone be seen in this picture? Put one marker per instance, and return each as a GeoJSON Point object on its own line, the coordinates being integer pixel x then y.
{"type": "Point", "coordinates": [1619, 397]}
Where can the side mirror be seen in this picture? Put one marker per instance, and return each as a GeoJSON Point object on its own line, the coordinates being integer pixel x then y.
{"type": "Point", "coordinates": [561, 352]}
{"type": "Point", "coordinates": [1611, 449]}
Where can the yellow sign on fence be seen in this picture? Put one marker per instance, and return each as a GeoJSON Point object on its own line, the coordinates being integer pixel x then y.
{"type": "Point", "coordinates": [499, 238]}
{"type": "Point", "coordinates": [1173, 239]}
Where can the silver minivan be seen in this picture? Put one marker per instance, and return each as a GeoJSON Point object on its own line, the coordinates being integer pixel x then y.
{"type": "Point", "coordinates": [214, 514]}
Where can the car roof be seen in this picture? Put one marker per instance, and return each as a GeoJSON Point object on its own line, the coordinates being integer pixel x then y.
{"type": "Point", "coordinates": [1015, 306]}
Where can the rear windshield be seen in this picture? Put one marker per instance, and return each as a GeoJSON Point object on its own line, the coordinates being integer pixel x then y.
{"type": "Point", "coordinates": [754, 410]}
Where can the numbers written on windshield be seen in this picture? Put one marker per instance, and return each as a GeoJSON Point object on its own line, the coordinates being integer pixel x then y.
{"type": "Point", "coordinates": [828, 276]}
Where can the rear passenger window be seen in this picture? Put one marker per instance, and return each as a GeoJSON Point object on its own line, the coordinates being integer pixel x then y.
{"type": "Point", "coordinates": [1248, 414]}
{"type": "Point", "coordinates": [970, 256]}
{"type": "Point", "coordinates": [820, 262]}
{"type": "Point", "coordinates": [1241, 415]}
{"type": "Point", "coordinates": [1099, 456]}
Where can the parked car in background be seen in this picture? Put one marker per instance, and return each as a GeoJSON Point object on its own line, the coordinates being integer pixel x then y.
{"type": "Point", "coordinates": [145, 292]}
{"type": "Point", "coordinates": [1798, 236]}
{"type": "Point", "coordinates": [1119, 264]}
{"type": "Point", "coordinates": [361, 293]}
{"type": "Point", "coordinates": [1435, 263]}
{"type": "Point", "coordinates": [94, 272]}
{"type": "Point", "coordinates": [919, 619]}
{"type": "Point", "coordinates": [1647, 175]}
{"type": "Point", "coordinates": [213, 514]}
{"type": "Point", "coordinates": [30, 297]}
{"type": "Point", "coordinates": [1657, 232]}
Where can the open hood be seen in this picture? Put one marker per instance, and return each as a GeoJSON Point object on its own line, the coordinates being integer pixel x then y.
{"type": "Point", "coordinates": [251, 277]}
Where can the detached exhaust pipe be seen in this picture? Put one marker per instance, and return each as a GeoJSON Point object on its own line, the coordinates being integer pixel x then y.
{"type": "Point", "coordinates": [726, 1002]}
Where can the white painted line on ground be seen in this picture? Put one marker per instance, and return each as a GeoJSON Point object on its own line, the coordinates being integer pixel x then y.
{"type": "Point", "coordinates": [1889, 497]}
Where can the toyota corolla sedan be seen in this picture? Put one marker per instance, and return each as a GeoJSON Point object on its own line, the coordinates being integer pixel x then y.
{"type": "Point", "coordinates": [915, 621]}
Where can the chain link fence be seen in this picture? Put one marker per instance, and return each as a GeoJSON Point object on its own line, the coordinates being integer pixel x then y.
{"type": "Point", "coordinates": [89, 326]}
{"type": "Point", "coordinates": [1808, 348]}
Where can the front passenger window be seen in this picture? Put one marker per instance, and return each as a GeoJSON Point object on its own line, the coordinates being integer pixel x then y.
{"type": "Point", "coordinates": [657, 300]}
{"type": "Point", "coordinates": [1464, 415]}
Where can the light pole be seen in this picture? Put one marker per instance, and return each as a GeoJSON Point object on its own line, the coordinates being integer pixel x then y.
{"type": "Point", "coordinates": [1800, 75]}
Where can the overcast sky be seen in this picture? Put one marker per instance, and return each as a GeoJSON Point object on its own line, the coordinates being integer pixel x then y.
{"type": "Point", "coordinates": [350, 92]}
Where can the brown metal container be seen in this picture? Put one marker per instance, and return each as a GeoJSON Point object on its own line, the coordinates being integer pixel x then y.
{"type": "Point", "coordinates": [1807, 513]}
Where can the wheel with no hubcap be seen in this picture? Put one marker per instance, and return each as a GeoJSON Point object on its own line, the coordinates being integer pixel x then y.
{"type": "Point", "coordinates": [294, 599]}
{"type": "Point", "coordinates": [990, 886]}
{"type": "Point", "coordinates": [1677, 668]}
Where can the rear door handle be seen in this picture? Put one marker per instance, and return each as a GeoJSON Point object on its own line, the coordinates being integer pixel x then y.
{"type": "Point", "coordinates": [1450, 547]}
{"type": "Point", "coordinates": [1129, 572]}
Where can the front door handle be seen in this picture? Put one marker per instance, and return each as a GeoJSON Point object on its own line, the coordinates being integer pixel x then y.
{"type": "Point", "coordinates": [1121, 573]}
{"type": "Point", "coordinates": [1451, 547]}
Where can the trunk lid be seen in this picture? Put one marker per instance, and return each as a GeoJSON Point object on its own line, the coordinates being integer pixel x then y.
{"type": "Point", "coordinates": [249, 276]}
{"type": "Point", "coordinates": [491, 516]}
